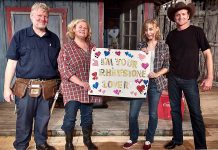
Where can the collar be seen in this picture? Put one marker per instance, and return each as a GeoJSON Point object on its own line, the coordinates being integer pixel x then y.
{"type": "Point", "coordinates": [30, 31]}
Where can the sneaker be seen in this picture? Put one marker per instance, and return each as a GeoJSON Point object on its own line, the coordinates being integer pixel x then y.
{"type": "Point", "coordinates": [129, 144]}
{"type": "Point", "coordinates": [146, 146]}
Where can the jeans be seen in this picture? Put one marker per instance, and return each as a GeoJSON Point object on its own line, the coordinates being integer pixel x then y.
{"type": "Point", "coordinates": [71, 109]}
{"type": "Point", "coordinates": [135, 106]}
{"type": "Point", "coordinates": [190, 89]}
{"type": "Point", "coordinates": [28, 109]}
{"type": "Point", "coordinates": [153, 100]}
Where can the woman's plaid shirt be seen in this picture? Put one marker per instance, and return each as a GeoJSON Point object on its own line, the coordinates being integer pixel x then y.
{"type": "Point", "coordinates": [161, 60]}
{"type": "Point", "coordinates": [73, 60]}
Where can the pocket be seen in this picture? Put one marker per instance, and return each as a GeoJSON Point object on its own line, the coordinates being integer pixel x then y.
{"type": "Point", "coordinates": [19, 89]}
{"type": "Point", "coordinates": [49, 89]}
{"type": "Point", "coordinates": [25, 53]}
{"type": "Point", "coordinates": [34, 90]}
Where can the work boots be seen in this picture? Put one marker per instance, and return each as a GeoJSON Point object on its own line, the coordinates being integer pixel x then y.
{"type": "Point", "coordinates": [69, 141]}
{"type": "Point", "coordinates": [87, 131]}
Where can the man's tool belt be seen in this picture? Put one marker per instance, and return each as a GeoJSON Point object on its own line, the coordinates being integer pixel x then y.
{"type": "Point", "coordinates": [35, 87]}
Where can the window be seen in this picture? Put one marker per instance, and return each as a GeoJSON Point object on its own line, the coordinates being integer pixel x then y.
{"type": "Point", "coordinates": [18, 18]}
{"type": "Point", "coordinates": [129, 29]}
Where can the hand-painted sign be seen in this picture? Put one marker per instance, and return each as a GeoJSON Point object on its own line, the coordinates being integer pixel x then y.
{"type": "Point", "coordinates": [120, 73]}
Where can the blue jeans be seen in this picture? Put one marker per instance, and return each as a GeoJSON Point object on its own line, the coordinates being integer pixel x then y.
{"type": "Point", "coordinates": [135, 106]}
{"type": "Point", "coordinates": [190, 89]}
{"type": "Point", "coordinates": [29, 109]}
{"type": "Point", "coordinates": [71, 109]}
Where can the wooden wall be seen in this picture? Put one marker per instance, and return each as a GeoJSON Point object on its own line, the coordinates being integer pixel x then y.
{"type": "Point", "coordinates": [87, 9]}
{"type": "Point", "coordinates": [3, 48]}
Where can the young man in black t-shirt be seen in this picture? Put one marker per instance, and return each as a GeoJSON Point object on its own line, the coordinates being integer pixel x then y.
{"type": "Point", "coordinates": [185, 43]}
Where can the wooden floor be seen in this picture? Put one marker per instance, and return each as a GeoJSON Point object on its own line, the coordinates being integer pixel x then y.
{"type": "Point", "coordinates": [209, 104]}
{"type": "Point", "coordinates": [115, 142]}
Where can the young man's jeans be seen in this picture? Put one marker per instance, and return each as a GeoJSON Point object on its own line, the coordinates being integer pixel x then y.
{"type": "Point", "coordinates": [135, 106]}
{"type": "Point", "coordinates": [71, 109]}
{"type": "Point", "coordinates": [190, 89]}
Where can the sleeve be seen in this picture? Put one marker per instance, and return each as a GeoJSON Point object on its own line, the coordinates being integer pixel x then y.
{"type": "Point", "coordinates": [65, 65]}
{"type": "Point", "coordinates": [13, 50]}
{"type": "Point", "coordinates": [167, 39]}
{"type": "Point", "coordinates": [166, 63]}
{"type": "Point", "coordinates": [202, 40]}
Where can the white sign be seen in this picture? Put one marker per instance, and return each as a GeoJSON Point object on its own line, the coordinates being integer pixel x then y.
{"type": "Point", "coordinates": [120, 73]}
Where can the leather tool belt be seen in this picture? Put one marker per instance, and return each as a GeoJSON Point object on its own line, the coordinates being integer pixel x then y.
{"type": "Point", "coordinates": [35, 88]}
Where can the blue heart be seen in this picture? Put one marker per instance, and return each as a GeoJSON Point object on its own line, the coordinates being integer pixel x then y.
{"type": "Point", "coordinates": [95, 85]}
{"type": "Point", "coordinates": [130, 55]}
{"type": "Point", "coordinates": [145, 82]}
{"type": "Point", "coordinates": [127, 53]}
{"type": "Point", "coordinates": [106, 53]}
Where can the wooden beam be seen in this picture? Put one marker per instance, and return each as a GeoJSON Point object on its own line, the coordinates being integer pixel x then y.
{"type": "Point", "coordinates": [101, 22]}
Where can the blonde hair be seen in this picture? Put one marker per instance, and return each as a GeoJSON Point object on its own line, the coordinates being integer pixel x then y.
{"type": "Point", "coordinates": [72, 25]}
{"type": "Point", "coordinates": [155, 24]}
{"type": "Point", "coordinates": [38, 5]}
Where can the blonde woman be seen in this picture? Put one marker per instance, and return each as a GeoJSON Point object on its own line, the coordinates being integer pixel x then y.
{"type": "Point", "coordinates": [73, 64]}
{"type": "Point", "coordinates": [157, 82]}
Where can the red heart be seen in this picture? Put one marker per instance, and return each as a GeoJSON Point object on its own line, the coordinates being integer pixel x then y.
{"type": "Point", "coordinates": [94, 73]}
{"type": "Point", "coordinates": [140, 88]}
{"type": "Point", "coordinates": [117, 53]}
{"type": "Point", "coordinates": [97, 54]}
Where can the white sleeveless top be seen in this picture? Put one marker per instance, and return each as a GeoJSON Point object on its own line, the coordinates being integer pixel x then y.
{"type": "Point", "coordinates": [152, 60]}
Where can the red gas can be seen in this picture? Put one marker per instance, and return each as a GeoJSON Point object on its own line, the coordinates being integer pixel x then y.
{"type": "Point", "coordinates": [164, 110]}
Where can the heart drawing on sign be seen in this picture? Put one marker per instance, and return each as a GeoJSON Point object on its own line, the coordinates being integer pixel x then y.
{"type": "Point", "coordinates": [133, 93]}
{"type": "Point", "coordinates": [94, 74]}
{"type": "Point", "coordinates": [103, 91]}
{"type": "Point", "coordinates": [138, 81]}
{"type": "Point", "coordinates": [129, 54]}
{"type": "Point", "coordinates": [95, 62]}
{"type": "Point", "coordinates": [140, 88]}
{"type": "Point", "coordinates": [106, 53]}
{"type": "Point", "coordinates": [145, 65]}
{"type": "Point", "coordinates": [117, 53]}
{"type": "Point", "coordinates": [117, 91]}
{"type": "Point", "coordinates": [97, 54]}
{"type": "Point", "coordinates": [145, 82]}
{"type": "Point", "coordinates": [141, 56]}
{"type": "Point", "coordinates": [95, 85]}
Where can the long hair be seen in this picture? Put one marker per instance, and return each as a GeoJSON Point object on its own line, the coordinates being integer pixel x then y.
{"type": "Point", "coordinates": [71, 34]}
{"type": "Point", "coordinates": [155, 24]}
